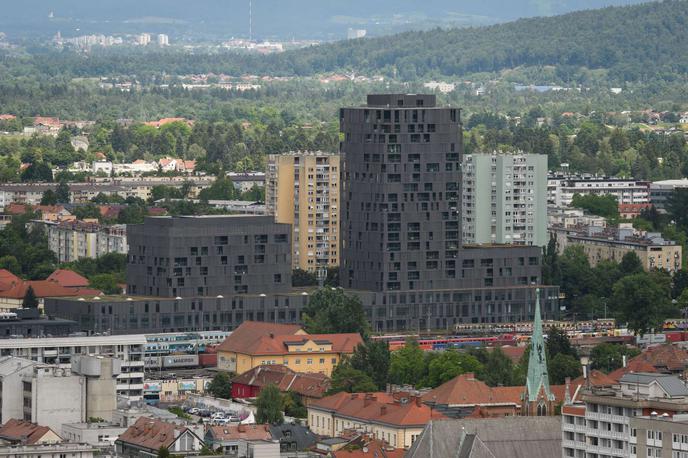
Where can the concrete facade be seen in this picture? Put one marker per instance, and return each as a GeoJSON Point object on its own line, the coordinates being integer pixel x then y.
{"type": "Point", "coordinates": [504, 199]}
{"type": "Point", "coordinates": [208, 256]}
{"type": "Point", "coordinates": [302, 189]}
{"type": "Point", "coordinates": [73, 240]}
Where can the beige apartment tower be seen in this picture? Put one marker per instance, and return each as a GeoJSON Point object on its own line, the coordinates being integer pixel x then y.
{"type": "Point", "coordinates": [302, 189]}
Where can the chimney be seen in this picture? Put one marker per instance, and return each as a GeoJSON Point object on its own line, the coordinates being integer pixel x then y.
{"type": "Point", "coordinates": [383, 410]}
{"type": "Point", "coordinates": [567, 392]}
{"type": "Point", "coordinates": [388, 388]}
{"type": "Point", "coordinates": [272, 335]}
{"type": "Point", "coordinates": [367, 400]}
{"type": "Point", "coordinates": [241, 428]}
{"type": "Point", "coordinates": [418, 401]}
{"type": "Point", "coordinates": [624, 361]}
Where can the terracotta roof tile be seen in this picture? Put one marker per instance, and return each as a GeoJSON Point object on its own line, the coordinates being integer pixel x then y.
{"type": "Point", "coordinates": [151, 434]}
{"type": "Point", "coordinates": [634, 365]}
{"type": "Point", "coordinates": [23, 431]}
{"type": "Point", "coordinates": [236, 432]}
{"type": "Point", "coordinates": [667, 356]}
{"type": "Point", "coordinates": [246, 337]}
{"type": "Point", "coordinates": [379, 408]}
{"type": "Point", "coordinates": [68, 278]}
{"type": "Point", "coordinates": [372, 449]}
{"type": "Point", "coordinates": [597, 378]}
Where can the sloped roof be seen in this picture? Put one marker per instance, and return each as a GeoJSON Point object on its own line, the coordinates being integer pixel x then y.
{"type": "Point", "coordinates": [634, 365]}
{"type": "Point", "coordinates": [149, 433]}
{"type": "Point", "coordinates": [374, 448]}
{"type": "Point", "coordinates": [671, 384]}
{"type": "Point", "coordinates": [508, 437]}
{"type": "Point", "coordinates": [68, 278]}
{"type": "Point", "coordinates": [378, 408]}
{"type": "Point", "coordinates": [666, 356]}
{"type": "Point", "coordinates": [236, 432]}
{"type": "Point", "coordinates": [259, 338]}
{"type": "Point", "coordinates": [45, 288]}
{"type": "Point", "coordinates": [23, 432]}
{"type": "Point", "coordinates": [46, 121]}
{"type": "Point", "coordinates": [313, 385]}
{"type": "Point", "coordinates": [597, 378]}
{"type": "Point", "coordinates": [7, 278]}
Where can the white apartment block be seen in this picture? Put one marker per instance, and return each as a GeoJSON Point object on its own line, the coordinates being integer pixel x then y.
{"type": "Point", "coordinates": [129, 349]}
{"type": "Point", "coordinates": [73, 240]}
{"type": "Point", "coordinates": [504, 199]}
{"type": "Point", "coordinates": [660, 191]}
{"type": "Point", "coordinates": [562, 187]}
{"type": "Point", "coordinates": [604, 424]}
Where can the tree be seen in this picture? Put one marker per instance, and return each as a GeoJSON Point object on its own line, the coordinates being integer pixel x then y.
{"type": "Point", "coordinates": [446, 365]}
{"type": "Point", "coordinates": [562, 366]}
{"type": "Point", "coordinates": [9, 262]}
{"type": "Point", "coordinates": [630, 264]}
{"type": "Point", "coordinates": [606, 206]}
{"type": "Point", "coordinates": [269, 405]}
{"type": "Point", "coordinates": [608, 357]}
{"type": "Point", "coordinates": [62, 193]}
{"type": "Point", "coordinates": [551, 267]}
{"type": "Point", "coordinates": [498, 369]}
{"type": "Point", "coordinates": [346, 378]}
{"type": "Point", "coordinates": [221, 189]}
{"type": "Point", "coordinates": [107, 283]}
{"type": "Point", "coordinates": [300, 277]}
{"type": "Point", "coordinates": [220, 386]}
{"type": "Point", "coordinates": [372, 357]}
{"type": "Point", "coordinates": [332, 311]}
{"type": "Point", "coordinates": [677, 207]}
{"type": "Point", "coordinates": [163, 452]}
{"type": "Point", "coordinates": [30, 301]}
{"type": "Point", "coordinates": [641, 302]}
{"type": "Point", "coordinates": [558, 343]}
{"type": "Point", "coordinates": [49, 197]}
{"type": "Point", "coordinates": [37, 171]}
{"type": "Point", "coordinates": [407, 365]}
{"type": "Point", "coordinates": [292, 404]}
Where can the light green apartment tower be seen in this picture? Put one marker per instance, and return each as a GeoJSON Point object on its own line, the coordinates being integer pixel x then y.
{"type": "Point", "coordinates": [504, 199]}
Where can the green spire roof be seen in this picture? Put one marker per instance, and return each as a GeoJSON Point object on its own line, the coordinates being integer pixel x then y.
{"type": "Point", "coordinates": [538, 377]}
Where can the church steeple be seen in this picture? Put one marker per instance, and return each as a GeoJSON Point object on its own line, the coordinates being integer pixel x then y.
{"type": "Point", "coordinates": [537, 383]}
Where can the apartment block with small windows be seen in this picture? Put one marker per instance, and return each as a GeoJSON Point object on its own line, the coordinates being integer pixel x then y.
{"type": "Point", "coordinates": [504, 199]}
{"type": "Point", "coordinates": [302, 189]}
{"type": "Point", "coordinates": [201, 256]}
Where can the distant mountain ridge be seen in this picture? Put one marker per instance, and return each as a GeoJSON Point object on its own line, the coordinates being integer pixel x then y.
{"type": "Point", "coordinates": [285, 18]}
{"type": "Point", "coordinates": [633, 43]}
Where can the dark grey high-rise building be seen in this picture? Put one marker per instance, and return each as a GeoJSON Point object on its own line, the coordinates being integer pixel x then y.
{"type": "Point", "coordinates": [400, 189]}
{"type": "Point", "coordinates": [193, 256]}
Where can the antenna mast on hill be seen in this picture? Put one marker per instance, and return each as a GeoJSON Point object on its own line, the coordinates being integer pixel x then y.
{"type": "Point", "coordinates": [250, 20]}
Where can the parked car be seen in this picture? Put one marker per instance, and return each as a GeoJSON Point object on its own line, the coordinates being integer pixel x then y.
{"type": "Point", "coordinates": [194, 410]}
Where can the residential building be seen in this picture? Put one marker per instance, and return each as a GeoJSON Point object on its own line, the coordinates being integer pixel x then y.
{"type": "Point", "coordinates": [302, 189]}
{"type": "Point", "coordinates": [661, 191]}
{"type": "Point", "coordinates": [227, 438]}
{"type": "Point", "coordinates": [658, 435]}
{"type": "Point", "coordinates": [163, 39]}
{"type": "Point", "coordinates": [148, 435]}
{"type": "Point", "coordinates": [96, 434]}
{"type": "Point", "coordinates": [630, 211]}
{"type": "Point", "coordinates": [58, 450]}
{"type": "Point", "coordinates": [401, 211]}
{"type": "Point", "coordinates": [59, 351]}
{"type": "Point", "coordinates": [198, 256]}
{"type": "Point", "coordinates": [73, 240]}
{"type": "Point", "coordinates": [16, 431]}
{"type": "Point", "coordinates": [254, 344]}
{"type": "Point", "coordinates": [513, 437]}
{"type": "Point", "coordinates": [308, 385]}
{"type": "Point", "coordinates": [612, 243]}
{"type": "Point", "coordinates": [561, 187]}
{"type": "Point", "coordinates": [13, 290]}
{"type": "Point", "coordinates": [504, 199]}
{"type": "Point", "coordinates": [397, 419]}
{"type": "Point", "coordinates": [52, 396]}
{"type": "Point", "coordinates": [353, 34]}
{"type": "Point", "coordinates": [599, 424]}
{"type": "Point", "coordinates": [245, 181]}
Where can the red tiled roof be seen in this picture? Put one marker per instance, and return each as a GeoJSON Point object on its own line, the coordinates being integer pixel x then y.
{"type": "Point", "coordinates": [573, 410]}
{"type": "Point", "coordinates": [44, 288]}
{"type": "Point", "coordinates": [7, 117]}
{"type": "Point", "coordinates": [22, 431]}
{"type": "Point", "coordinates": [164, 121]}
{"type": "Point", "coordinates": [512, 352]}
{"type": "Point", "coordinates": [68, 278]}
{"type": "Point", "coordinates": [236, 432]}
{"type": "Point", "coordinates": [634, 365]}
{"type": "Point", "coordinates": [666, 356]}
{"type": "Point", "coordinates": [467, 390]}
{"type": "Point", "coordinates": [312, 385]}
{"type": "Point", "coordinates": [151, 434]}
{"type": "Point", "coordinates": [597, 378]}
{"type": "Point", "coordinates": [46, 121]}
{"type": "Point", "coordinates": [379, 408]}
{"type": "Point", "coordinates": [372, 449]}
{"type": "Point", "coordinates": [7, 278]}
{"type": "Point", "coordinates": [246, 336]}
